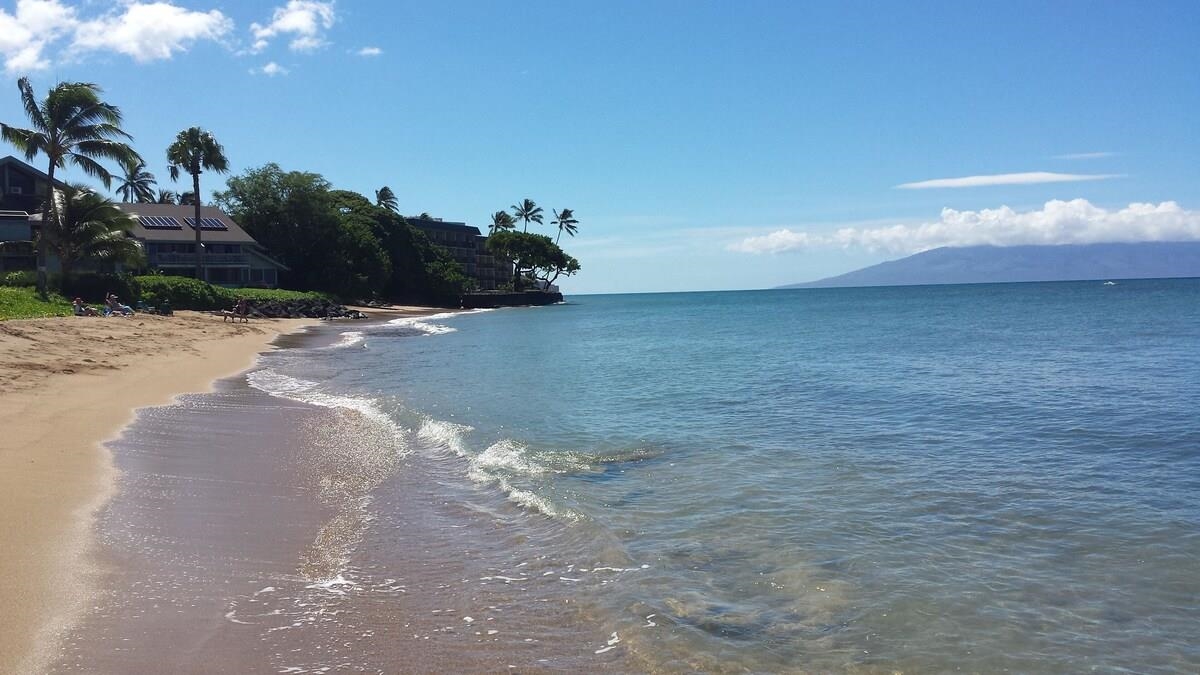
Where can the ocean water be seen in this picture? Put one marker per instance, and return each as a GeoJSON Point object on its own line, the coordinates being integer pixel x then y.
{"type": "Point", "coordinates": [985, 478]}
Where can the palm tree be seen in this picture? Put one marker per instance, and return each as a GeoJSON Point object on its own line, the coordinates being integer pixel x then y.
{"type": "Point", "coordinates": [566, 223]}
{"type": "Point", "coordinates": [166, 197]}
{"type": "Point", "coordinates": [501, 220]}
{"type": "Point", "coordinates": [193, 151]}
{"type": "Point", "coordinates": [527, 211]}
{"type": "Point", "coordinates": [385, 198]}
{"type": "Point", "coordinates": [137, 184]}
{"type": "Point", "coordinates": [71, 123]}
{"type": "Point", "coordinates": [87, 225]}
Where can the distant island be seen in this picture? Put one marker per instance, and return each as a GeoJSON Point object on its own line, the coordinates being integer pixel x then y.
{"type": "Point", "coordinates": [999, 264]}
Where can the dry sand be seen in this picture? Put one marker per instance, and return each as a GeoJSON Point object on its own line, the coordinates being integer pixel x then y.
{"type": "Point", "coordinates": [66, 385]}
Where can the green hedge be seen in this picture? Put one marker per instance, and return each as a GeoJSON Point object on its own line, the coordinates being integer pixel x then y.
{"type": "Point", "coordinates": [182, 293]}
{"type": "Point", "coordinates": [188, 293]}
{"type": "Point", "coordinates": [279, 294]}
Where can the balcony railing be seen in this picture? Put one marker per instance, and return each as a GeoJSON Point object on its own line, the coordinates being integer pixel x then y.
{"type": "Point", "coordinates": [236, 259]}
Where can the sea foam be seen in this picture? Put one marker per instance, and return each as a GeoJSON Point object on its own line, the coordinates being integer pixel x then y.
{"type": "Point", "coordinates": [348, 339]}
{"type": "Point", "coordinates": [443, 434]}
{"type": "Point", "coordinates": [425, 324]}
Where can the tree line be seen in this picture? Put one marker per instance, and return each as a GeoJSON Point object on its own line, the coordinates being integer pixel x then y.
{"type": "Point", "coordinates": [331, 240]}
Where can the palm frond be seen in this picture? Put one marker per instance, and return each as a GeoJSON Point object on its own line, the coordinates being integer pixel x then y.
{"type": "Point", "coordinates": [30, 103]}
{"type": "Point", "coordinates": [92, 168]}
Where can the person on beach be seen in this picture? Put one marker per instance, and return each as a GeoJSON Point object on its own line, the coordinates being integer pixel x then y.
{"type": "Point", "coordinates": [113, 305]}
{"type": "Point", "coordinates": [241, 310]}
{"type": "Point", "coordinates": [82, 309]}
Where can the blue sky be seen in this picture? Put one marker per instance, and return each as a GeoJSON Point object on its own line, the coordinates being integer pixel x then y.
{"type": "Point", "coordinates": [702, 145]}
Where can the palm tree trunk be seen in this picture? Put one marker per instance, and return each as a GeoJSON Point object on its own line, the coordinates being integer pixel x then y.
{"type": "Point", "coordinates": [48, 214]}
{"type": "Point", "coordinates": [196, 201]}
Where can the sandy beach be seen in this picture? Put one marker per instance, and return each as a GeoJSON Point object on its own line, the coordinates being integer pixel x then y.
{"type": "Point", "coordinates": [69, 384]}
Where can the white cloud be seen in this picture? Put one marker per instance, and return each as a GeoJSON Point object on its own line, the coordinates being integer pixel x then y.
{"type": "Point", "coordinates": [1028, 178]}
{"type": "Point", "coordinates": [1058, 222]}
{"type": "Point", "coordinates": [1085, 155]}
{"type": "Point", "coordinates": [150, 31]}
{"type": "Point", "coordinates": [30, 29]}
{"type": "Point", "coordinates": [144, 31]}
{"type": "Point", "coordinates": [304, 20]}
{"type": "Point", "coordinates": [370, 51]}
{"type": "Point", "coordinates": [271, 70]}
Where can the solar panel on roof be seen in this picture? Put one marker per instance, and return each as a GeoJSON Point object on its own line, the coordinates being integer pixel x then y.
{"type": "Point", "coordinates": [159, 223]}
{"type": "Point", "coordinates": [207, 223]}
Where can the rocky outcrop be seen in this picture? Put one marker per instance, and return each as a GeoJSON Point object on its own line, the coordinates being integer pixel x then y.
{"type": "Point", "coordinates": [490, 299]}
{"type": "Point", "coordinates": [302, 309]}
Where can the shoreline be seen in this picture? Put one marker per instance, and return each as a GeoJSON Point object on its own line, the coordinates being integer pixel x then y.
{"type": "Point", "coordinates": [72, 385]}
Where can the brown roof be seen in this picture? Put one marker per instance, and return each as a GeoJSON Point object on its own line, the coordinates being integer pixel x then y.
{"type": "Point", "coordinates": [234, 235]}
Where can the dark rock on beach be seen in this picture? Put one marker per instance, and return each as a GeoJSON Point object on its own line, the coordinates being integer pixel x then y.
{"type": "Point", "coordinates": [302, 309]}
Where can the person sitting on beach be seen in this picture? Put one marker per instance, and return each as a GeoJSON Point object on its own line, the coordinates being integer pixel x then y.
{"type": "Point", "coordinates": [82, 309]}
{"type": "Point", "coordinates": [114, 305]}
{"type": "Point", "coordinates": [240, 311]}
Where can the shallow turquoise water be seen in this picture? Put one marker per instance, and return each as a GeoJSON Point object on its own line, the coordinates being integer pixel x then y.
{"type": "Point", "coordinates": [989, 478]}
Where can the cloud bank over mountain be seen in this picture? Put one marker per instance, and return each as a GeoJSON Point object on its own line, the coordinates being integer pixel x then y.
{"type": "Point", "coordinates": [1058, 222]}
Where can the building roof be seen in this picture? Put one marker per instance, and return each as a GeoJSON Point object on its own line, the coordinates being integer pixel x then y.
{"type": "Point", "coordinates": [233, 234]}
{"type": "Point", "coordinates": [435, 224]}
{"type": "Point", "coordinates": [9, 160]}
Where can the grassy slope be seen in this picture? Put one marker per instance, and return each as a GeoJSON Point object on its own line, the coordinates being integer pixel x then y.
{"type": "Point", "coordinates": [24, 303]}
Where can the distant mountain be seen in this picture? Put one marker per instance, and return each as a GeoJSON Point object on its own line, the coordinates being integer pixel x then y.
{"type": "Point", "coordinates": [991, 264]}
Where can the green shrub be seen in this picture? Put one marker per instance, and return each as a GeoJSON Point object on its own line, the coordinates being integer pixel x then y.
{"type": "Point", "coordinates": [95, 287]}
{"type": "Point", "coordinates": [19, 278]}
{"type": "Point", "coordinates": [279, 294]}
{"type": "Point", "coordinates": [188, 293]}
{"type": "Point", "coordinates": [184, 293]}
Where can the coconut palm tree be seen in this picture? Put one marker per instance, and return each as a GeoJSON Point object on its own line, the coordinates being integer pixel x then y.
{"type": "Point", "coordinates": [501, 220]}
{"type": "Point", "coordinates": [70, 124]}
{"type": "Point", "coordinates": [384, 197]}
{"type": "Point", "coordinates": [137, 183]}
{"type": "Point", "coordinates": [527, 211]}
{"type": "Point", "coordinates": [167, 197]}
{"type": "Point", "coordinates": [193, 151]}
{"type": "Point", "coordinates": [566, 223]}
{"type": "Point", "coordinates": [87, 225]}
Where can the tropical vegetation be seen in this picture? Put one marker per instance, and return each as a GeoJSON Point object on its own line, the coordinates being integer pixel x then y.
{"type": "Point", "coordinates": [71, 124]}
{"type": "Point", "coordinates": [339, 241]}
{"type": "Point", "coordinates": [88, 226]}
{"type": "Point", "coordinates": [501, 220]}
{"type": "Point", "coordinates": [137, 184]}
{"type": "Point", "coordinates": [333, 242]}
{"type": "Point", "coordinates": [533, 255]}
{"type": "Point", "coordinates": [194, 151]}
{"type": "Point", "coordinates": [566, 222]}
{"type": "Point", "coordinates": [528, 212]}
{"type": "Point", "coordinates": [384, 197]}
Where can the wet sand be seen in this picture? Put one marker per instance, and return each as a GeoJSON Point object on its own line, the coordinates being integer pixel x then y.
{"type": "Point", "coordinates": [68, 385]}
